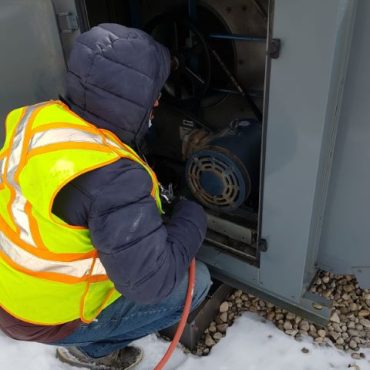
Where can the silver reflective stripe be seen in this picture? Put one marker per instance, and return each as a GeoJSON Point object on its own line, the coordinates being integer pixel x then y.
{"type": "Point", "coordinates": [68, 135]}
{"type": "Point", "coordinates": [18, 205]}
{"type": "Point", "coordinates": [63, 135]}
{"type": "Point", "coordinates": [112, 143]}
{"type": "Point", "coordinates": [21, 257]}
{"type": "Point", "coordinates": [2, 165]}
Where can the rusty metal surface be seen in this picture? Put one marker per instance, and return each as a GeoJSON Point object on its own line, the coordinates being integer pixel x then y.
{"type": "Point", "coordinates": [200, 319]}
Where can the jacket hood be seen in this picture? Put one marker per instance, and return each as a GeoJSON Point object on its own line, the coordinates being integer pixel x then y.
{"type": "Point", "coordinates": [114, 77]}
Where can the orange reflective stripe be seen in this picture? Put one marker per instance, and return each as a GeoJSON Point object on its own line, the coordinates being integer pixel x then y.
{"type": "Point", "coordinates": [100, 309]}
{"type": "Point", "coordinates": [27, 139]}
{"type": "Point", "coordinates": [83, 298]}
{"type": "Point", "coordinates": [34, 228]}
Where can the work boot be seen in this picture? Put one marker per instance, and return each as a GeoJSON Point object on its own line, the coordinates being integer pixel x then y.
{"type": "Point", "coordinates": [123, 359]}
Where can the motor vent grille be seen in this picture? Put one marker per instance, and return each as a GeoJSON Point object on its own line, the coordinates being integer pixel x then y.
{"type": "Point", "coordinates": [215, 180]}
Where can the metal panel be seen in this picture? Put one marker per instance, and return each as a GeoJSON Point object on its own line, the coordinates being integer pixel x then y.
{"type": "Point", "coordinates": [305, 89]}
{"type": "Point", "coordinates": [70, 14]}
{"type": "Point", "coordinates": [32, 64]}
{"type": "Point", "coordinates": [346, 234]}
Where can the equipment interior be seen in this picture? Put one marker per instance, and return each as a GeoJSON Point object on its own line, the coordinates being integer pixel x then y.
{"type": "Point", "coordinates": [206, 139]}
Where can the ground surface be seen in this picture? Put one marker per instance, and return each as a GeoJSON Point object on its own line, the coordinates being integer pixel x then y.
{"type": "Point", "coordinates": [249, 345]}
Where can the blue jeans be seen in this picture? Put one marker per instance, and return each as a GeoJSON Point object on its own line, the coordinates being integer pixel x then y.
{"type": "Point", "coordinates": [125, 321]}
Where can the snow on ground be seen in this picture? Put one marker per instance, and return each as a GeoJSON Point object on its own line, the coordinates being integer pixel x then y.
{"type": "Point", "coordinates": [249, 345]}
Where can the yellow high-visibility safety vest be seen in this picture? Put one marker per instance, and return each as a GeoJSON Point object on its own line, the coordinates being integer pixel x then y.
{"type": "Point", "coordinates": [50, 273]}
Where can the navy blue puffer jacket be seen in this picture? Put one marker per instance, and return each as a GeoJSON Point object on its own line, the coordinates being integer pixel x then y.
{"type": "Point", "coordinates": [114, 76]}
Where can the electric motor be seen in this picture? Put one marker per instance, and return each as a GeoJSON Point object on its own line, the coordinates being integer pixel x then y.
{"type": "Point", "coordinates": [225, 172]}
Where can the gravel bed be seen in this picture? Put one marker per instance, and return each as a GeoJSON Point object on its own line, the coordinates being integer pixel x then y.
{"type": "Point", "coordinates": [347, 330]}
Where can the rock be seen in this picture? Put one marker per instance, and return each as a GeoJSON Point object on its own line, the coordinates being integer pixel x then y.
{"type": "Point", "coordinates": [222, 328]}
{"type": "Point", "coordinates": [322, 333]}
{"type": "Point", "coordinates": [291, 332]}
{"type": "Point", "coordinates": [356, 356]}
{"type": "Point", "coordinates": [224, 307]}
{"type": "Point", "coordinates": [348, 288]}
{"type": "Point", "coordinates": [334, 335]}
{"type": "Point", "coordinates": [217, 336]}
{"type": "Point", "coordinates": [340, 341]}
{"type": "Point", "coordinates": [287, 325]}
{"type": "Point", "coordinates": [344, 310]}
{"type": "Point", "coordinates": [365, 323]}
{"type": "Point", "coordinates": [348, 328]}
{"type": "Point", "coordinates": [199, 352]}
{"type": "Point", "coordinates": [351, 325]}
{"type": "Point", "coordinates": [238, 293]}
{"type": "Point", "coordinates": [304, 325]}
{"type": "Point", "coordinates": [335, 318]}
{"type": "Point", "coordinates": [364, 313]}
{"type": "Point", "coordinates": [337, 327]}
{"type": "Point", "coordinates": [305, 350]}
{"type": "Point", "coordinates": [209, 341]}
{"type": "Point", "coordinates": [357, 339]}
{"type": "Point", "coordinates": [354, 367]}
{"type": "Point", "coordinates": [206, 351]}
{"type": "Point", "coordinates": [212, 329]}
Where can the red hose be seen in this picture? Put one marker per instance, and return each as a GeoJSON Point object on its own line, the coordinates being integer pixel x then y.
{"type": "Point", "coordinates": [184, 317]}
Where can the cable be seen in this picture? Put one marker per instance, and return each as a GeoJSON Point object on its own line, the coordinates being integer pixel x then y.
{"type": "Point", "coordinates": [184, 317]}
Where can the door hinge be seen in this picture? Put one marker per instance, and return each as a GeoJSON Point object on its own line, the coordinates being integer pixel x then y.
{"type": "Point", "coordinates": [67, 22]}
{"type": "Point", "coordinates": [261, 245]}
{"type": "Point", "coordinates": [274, 48]}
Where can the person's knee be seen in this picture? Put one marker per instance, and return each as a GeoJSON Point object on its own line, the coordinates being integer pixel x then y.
{"type": "Point", "coordinates": [202, 283]}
